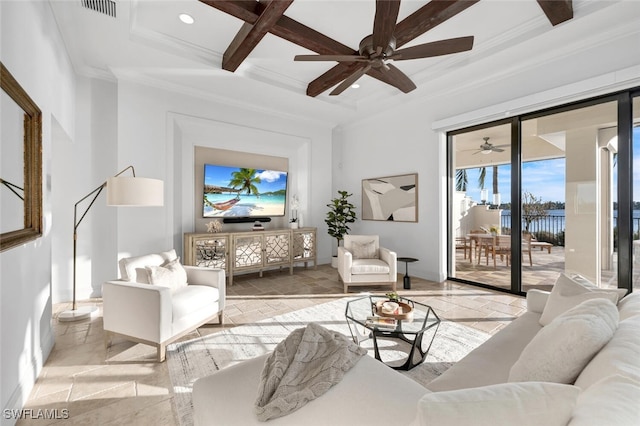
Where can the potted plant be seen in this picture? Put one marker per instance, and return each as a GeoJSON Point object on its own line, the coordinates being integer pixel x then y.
{"type": "Point", "coordinates": [341, 213]}
{"type": "Point", "coordinates": [393, 296]}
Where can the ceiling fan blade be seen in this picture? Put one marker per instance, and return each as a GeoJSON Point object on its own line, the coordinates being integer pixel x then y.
{"type": "Point", "coordinates": [384, 23]}
{"type": "Point", "coordinates": [436, 48]}
{"type": "Point", "coordinates": [350, 80]}
{"type": "Point", "coordinates": [337, 58]}
{"type": "Point", "coordinates": [399, 79]}
{"type": "Point", "coordinates": [494, 149]}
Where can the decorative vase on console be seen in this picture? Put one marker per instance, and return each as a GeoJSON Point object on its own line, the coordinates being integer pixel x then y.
{"type": "Point", "coordinates": [214, 226]}
{"type": "Point", "coordinates": [295, 203]}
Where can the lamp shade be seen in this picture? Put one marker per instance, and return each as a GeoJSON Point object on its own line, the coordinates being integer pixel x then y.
{"type": "Point", "coordinates": [134, 191]}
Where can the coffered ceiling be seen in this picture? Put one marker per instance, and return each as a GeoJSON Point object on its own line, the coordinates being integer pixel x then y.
{"type": "Point", "coordinates": [147, 42]}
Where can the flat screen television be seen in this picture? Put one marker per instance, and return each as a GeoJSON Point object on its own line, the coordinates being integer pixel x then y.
{"type": "Point", "coordinates": [237, 192]}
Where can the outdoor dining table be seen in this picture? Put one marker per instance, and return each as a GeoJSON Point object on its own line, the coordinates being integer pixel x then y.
{"type": "Point", "coordinates": [480, 241]}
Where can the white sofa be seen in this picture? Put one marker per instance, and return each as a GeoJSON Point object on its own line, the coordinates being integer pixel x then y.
{"type": "Point", "coordinates": [155, 314]}
{"type": "Point", "coordinates": [472, 392]}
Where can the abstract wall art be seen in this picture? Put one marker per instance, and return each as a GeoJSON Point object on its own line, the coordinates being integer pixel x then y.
{"type": "Point", "coordinates": [392, 198]}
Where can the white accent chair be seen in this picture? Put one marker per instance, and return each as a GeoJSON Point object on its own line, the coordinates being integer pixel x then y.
{"type": "Point", "coordinates": [362, 262]}
{"type": "Point", "coordinates": [157, 315]}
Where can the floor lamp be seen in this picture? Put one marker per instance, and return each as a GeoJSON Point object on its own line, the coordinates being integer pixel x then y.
{"type": "Point", "coordinates": [129, 191]}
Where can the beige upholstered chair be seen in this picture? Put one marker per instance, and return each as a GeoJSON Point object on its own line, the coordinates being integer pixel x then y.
{"type": "Point", "coordinates": [362, 262]}
{"type": "Point", "coordinates": [163, 311]}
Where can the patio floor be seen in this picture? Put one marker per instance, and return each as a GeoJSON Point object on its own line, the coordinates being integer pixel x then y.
{"type": "Point", "coordinates": [542, 275]}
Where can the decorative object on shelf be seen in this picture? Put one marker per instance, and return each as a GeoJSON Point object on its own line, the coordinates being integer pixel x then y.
{"type": "Point", "coordinates": [295, 204]}
{"type": "Point", "coordinates": [214, 226]}
{"type": "Point", "coordinates": [121, 191]}
{"type": "Point", "coordinates": [391, 198]}
{"type": "Point", "coordinates": [494, 230]}
{"type": "Point", "coordinates": [341, 213]}
{"type": "Point", "coordinates": [294, 223]}
{"type": "Point", "coordinates": [257, 226]}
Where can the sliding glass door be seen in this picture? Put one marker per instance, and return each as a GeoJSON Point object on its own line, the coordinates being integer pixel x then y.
{"type": "Point", "coordinates": [568, 196]}
{"type": "Point", "coordinates": [480, 205]}
{"type": "Point", "coordinates": [547, 193]}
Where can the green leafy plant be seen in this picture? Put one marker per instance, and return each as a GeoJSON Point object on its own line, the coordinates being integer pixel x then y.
{"type": "Point", "coordinates": [393, 296]}
{"type": "Point", "coordinates": [341, 213]}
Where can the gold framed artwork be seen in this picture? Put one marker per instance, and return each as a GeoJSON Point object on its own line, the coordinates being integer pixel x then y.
{"type": "Point", "coordinates": [390, 198]}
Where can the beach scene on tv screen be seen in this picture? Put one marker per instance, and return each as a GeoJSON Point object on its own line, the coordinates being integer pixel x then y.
{"type": "Point", "coordinates": [243, 192]}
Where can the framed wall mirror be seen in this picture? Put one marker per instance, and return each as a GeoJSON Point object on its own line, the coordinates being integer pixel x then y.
{"type": "Point", "coordinates": [20, 164]}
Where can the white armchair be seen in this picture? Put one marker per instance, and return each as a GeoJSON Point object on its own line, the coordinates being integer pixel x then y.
{"type": "Point", "coordinates": [157, 314]}
{"type": "Point", "coordinates": [362, 262]}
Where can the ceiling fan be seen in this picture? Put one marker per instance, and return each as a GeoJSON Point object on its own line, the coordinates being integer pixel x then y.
{"type": "Point", "coordinates": [378, 49]}
{"type": "Point", "coordinates": [488, 148]}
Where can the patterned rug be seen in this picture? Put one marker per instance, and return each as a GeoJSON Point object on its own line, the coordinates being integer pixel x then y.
{"type": "Point", "coordinates": [190, 360]}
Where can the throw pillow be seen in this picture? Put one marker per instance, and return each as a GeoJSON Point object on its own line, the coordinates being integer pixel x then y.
{"type": "Point", "coordinates": [171, 275]}
{"type": "Point", "coordinates": [619, 356]}
{"type": "Point", "coordinates": [566, 294]}
{"type": "Point", "coordinates": [128, 265]}
{"type": "Point", "coordinates": [560, 350]}
{"type": "Point", "coordinates": [142, 276]}
{"type": "Point", "coordinates": [621, 292]}
{"type": "Point", "coordinates": [505, 404]}
{"type": "Point", "coordinates": [611, 401]}
{"type": "Point", "coordinates": [364, 250]}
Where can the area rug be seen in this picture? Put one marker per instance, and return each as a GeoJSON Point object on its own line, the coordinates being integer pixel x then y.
{"type": "Point", "coordinates": [190, 360]}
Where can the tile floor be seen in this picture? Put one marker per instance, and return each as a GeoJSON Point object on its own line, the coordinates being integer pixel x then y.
{"type": "Point", "coordinates": [124, 386]}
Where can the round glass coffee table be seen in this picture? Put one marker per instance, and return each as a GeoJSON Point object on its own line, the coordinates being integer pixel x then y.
{"type": "Point", "coordinates": [412, 335]}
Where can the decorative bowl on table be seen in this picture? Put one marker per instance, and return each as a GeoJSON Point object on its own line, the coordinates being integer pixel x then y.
{"type": "Point", "coordinates": [397, 310]}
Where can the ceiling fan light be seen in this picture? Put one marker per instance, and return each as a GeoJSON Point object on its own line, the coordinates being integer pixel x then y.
{"type": "Point", "coordinates": [486, 151]}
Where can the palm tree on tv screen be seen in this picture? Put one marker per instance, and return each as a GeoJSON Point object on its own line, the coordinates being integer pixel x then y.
{"type": "Point", "coordinates": [245, 179]}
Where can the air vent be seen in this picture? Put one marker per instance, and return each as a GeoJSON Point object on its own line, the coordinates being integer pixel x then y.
{"type": "Point", "coordinates": [106, 7]}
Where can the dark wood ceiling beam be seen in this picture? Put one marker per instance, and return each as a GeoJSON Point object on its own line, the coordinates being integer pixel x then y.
{"type": "Point", "coordinates": [251, 34]}
{"type": "Point", "coordinates": [416, 24]}
{"type": "Point", "coordinates": [248, 11]}
{"type": "Point", "coordinates": [557, 11]}
{"type": "Point", "coordinates": [286, 28]}
{"type": "Point", "coordinates": [427, 17]}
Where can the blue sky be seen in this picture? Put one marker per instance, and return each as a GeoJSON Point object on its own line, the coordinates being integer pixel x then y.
{"type": "Point", "coordinates": [544, 179]}
{"type": "Point", "coordinates": [220, 175]}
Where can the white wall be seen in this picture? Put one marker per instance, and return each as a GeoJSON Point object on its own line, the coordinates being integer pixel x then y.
{"type": "Point", "coordinates": [32, 50]}
{"type": "Point", "coordinates": [157, 130]}
{"type": "Point", "coordinates": [391, 145]}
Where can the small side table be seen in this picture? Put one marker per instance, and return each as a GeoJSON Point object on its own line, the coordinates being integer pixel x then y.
{"type": "Point", "coordinates": [407, 278]}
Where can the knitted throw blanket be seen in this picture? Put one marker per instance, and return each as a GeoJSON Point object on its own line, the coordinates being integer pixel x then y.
{"type": "Point", "coordinates": [303, 367]}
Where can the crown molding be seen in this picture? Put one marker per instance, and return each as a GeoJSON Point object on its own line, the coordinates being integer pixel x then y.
{"type": "Point", "coordinates": [137, 77]}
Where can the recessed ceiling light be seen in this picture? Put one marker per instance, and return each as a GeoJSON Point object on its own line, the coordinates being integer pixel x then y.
{"type": "Point", "coordinates": [186, 18]}
{"type": "Point", "coordinates": [355, 86]}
